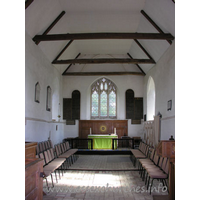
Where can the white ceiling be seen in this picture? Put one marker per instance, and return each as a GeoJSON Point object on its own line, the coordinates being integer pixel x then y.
{"type": "Point", "coordinates": [87, 16]}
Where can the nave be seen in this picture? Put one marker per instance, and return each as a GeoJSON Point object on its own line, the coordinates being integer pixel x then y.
{"type": "Point", "coordinates": [99, 185]}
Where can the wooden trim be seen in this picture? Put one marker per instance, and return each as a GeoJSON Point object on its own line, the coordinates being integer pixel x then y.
{"type": "Point", "coordinates": [137, 64]}
{"type": "Point", "coordinates": [155, 25]}
{"type": "Point", "coordinates": [66, 46]}
{"type": "Point", "coordinates": [102, 73]}
{"type": "Point", "coordinates": [104, 61]}
{"type": "Point", "coordinates": [41, 120]}
{"type": "Point", "coordinates": [89, 36]}
{"type": "Point", "coordinates": [166, 118]}
{"type": "Point", "coordinates": [28, 3]}
{"type": "Point", "coordinates": [70, 64]}
{"type": "Point", "coordinates": [52, 25]}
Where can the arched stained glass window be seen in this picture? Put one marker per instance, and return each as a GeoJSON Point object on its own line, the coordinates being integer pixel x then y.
{"type": "Point", "coordinates": [103, 99]}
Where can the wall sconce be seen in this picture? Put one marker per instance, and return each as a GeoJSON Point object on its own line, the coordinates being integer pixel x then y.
{"type": "Point", "coordinates": [169, 105]}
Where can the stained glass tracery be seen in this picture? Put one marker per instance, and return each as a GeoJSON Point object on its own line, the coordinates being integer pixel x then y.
{"type": "Point", "coordinates": [103, 99]}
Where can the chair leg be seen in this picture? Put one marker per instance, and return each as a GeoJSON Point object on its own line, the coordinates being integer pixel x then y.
{"type": "Point", "coordinates": [151, 184]}
{"type": "Point", "coordinates": [47, 183]}
{"type": "Point", "coordinates": [166, 184]}
{"type": "Point", "coordinates": [145, 178]}
{"type": "Point", "coordinates": [148, 182]}
{"type": "Point", "coordinates": [143, 174]}
{"type": "Point", "coordinates": [59, 172]}
{"type": "Point", "coordinates": [56, 176]}
{"type": "Point", "coordinates": [52, 180]}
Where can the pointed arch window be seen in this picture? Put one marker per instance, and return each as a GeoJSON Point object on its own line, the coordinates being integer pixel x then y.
{"type": "Point", "coordinates": [103, 99]}
{"type": "Point", "coordinates": [48, 104]}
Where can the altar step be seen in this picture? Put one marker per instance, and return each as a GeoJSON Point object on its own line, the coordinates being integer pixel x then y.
{"type": "Point", "coordinates": [104, 152]}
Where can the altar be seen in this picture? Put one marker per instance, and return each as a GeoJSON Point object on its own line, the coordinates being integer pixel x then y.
{"type": "Point", "coordinates": [102, 141]}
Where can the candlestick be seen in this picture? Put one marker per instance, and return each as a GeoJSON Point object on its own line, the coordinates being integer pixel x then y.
{"type": "Point", "coordinates": [90, 131]}
{"type": "Point", "coordinates": [114, 130]}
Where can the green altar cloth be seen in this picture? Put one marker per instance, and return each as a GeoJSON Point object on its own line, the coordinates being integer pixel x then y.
{"type": "Point", "coordinates": [102, 141]}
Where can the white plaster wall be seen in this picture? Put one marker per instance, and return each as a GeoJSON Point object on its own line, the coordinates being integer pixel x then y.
{"type": "Point", "coordinates": [83, 84]}
{"type": "Point", "coordinates": [39, 69]}
{"type": "Point", "coordinates": [163, 74]}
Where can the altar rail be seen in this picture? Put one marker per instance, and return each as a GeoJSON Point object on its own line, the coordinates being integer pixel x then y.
{"type": "Point", "coordinates": [79, 143]}
{"type": "Point", "coordinates": [124, 143]}
{"type": "Point", "coordinates": [82, 143]}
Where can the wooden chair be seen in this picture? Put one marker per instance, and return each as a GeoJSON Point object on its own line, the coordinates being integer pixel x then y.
{"type": "Point", "coordinates": [161, 175]}
{"type": "Point", "coordinates": [140, 154]}
{"type": "Point", "coordinates": [46, 171]}
{"type": "Point", "coordinates": [145, 161]}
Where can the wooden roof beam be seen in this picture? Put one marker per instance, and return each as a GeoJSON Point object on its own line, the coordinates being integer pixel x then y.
{"type": "Point", "coordinates": [66, 46]}
{"type": "Point", "coordinates": [143, 49]}
{"type": "Point", "coordinates": [137, 64]}
{"type": "Point", "coordinates": [27, 3]}
{"type": "Point", "coordinates": [102, 73]}
{"type": "Point", "coordinates": [52, 25]}
{"type": "Point", "coordinates": [105, 61]}
{"type": "Point", "coordinates": [70, 64]}
{"type": "Point", "coordinates": [155, 25]}
{"type": "Point", "coordinates": [93, 36]}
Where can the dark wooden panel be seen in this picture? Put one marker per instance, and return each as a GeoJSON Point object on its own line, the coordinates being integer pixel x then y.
{"type": "Point", "coordinates": [67, 108]}
{"type": "Point", "coordinates": [138, 108]}
{"type": "Point", "coordinates": [103, 127]}
{"type": "Point", "coordinates": [70, 122]}
{"type": "Point", "coordinates": [129, 104]}
{"type": "Point", "coordinates": [133, 121]}
{"type": "Point", "coordinates": [76, 104]}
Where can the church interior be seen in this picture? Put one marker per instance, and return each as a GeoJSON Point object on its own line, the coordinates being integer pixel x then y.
{"type": "Point", "coordinates": [100, 99]}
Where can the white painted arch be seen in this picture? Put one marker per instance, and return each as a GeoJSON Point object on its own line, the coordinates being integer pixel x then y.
{"type": "Point", "coordinates": [151, 99]}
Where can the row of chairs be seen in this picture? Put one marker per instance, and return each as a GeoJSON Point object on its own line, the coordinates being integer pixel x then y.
{"type": "Point", "coordinates": [153, 167]}
{"type": "Point", "coordinates": [43, 146]}
{"type": "Point", "coordinates": [56, 159]}
{"type": "Point", "coordinates": [140, 153]}
{"type": "Point", "coordinates": [63, 150]}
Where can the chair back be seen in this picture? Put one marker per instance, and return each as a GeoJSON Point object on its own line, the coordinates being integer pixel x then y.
{"type": "Point", "coordinates": [49, 155]}
{"type": "Point", "coordinates": [62, 147]}
{"type": "Point", "coordinates": [166, 169]}
{"type": "Point", "coordinates": [160, 162]}
{"type": "Point", "coordinates": [40, 147]}
{"type": "Point", "coordinates": [43, 147]}
{"type": "Point", "coordinates": [146, 150]}
{"type": "Point", "coordinates": [37, 150]}
{"type": "Point", "coordinates": [140, 145]}
{"type": "Point", "coordinates": [46, 156]}
{"type": "Point", "coordinates": [152, 154]}
{"type": "Point", "coordinates": [67, 145]}
{"type": "Point", "coordinates": [57, 151]}
{"type": "Point", "coordinates": [156, 158]}
{"type": "Point", "coordinates": [52, 152]}
{"type": "Point", "coordinates": [164, 163]}
{"type": "Point", "coordinates": [50, 144]}
{"type": "Point", "coordinates": [41, 155]}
